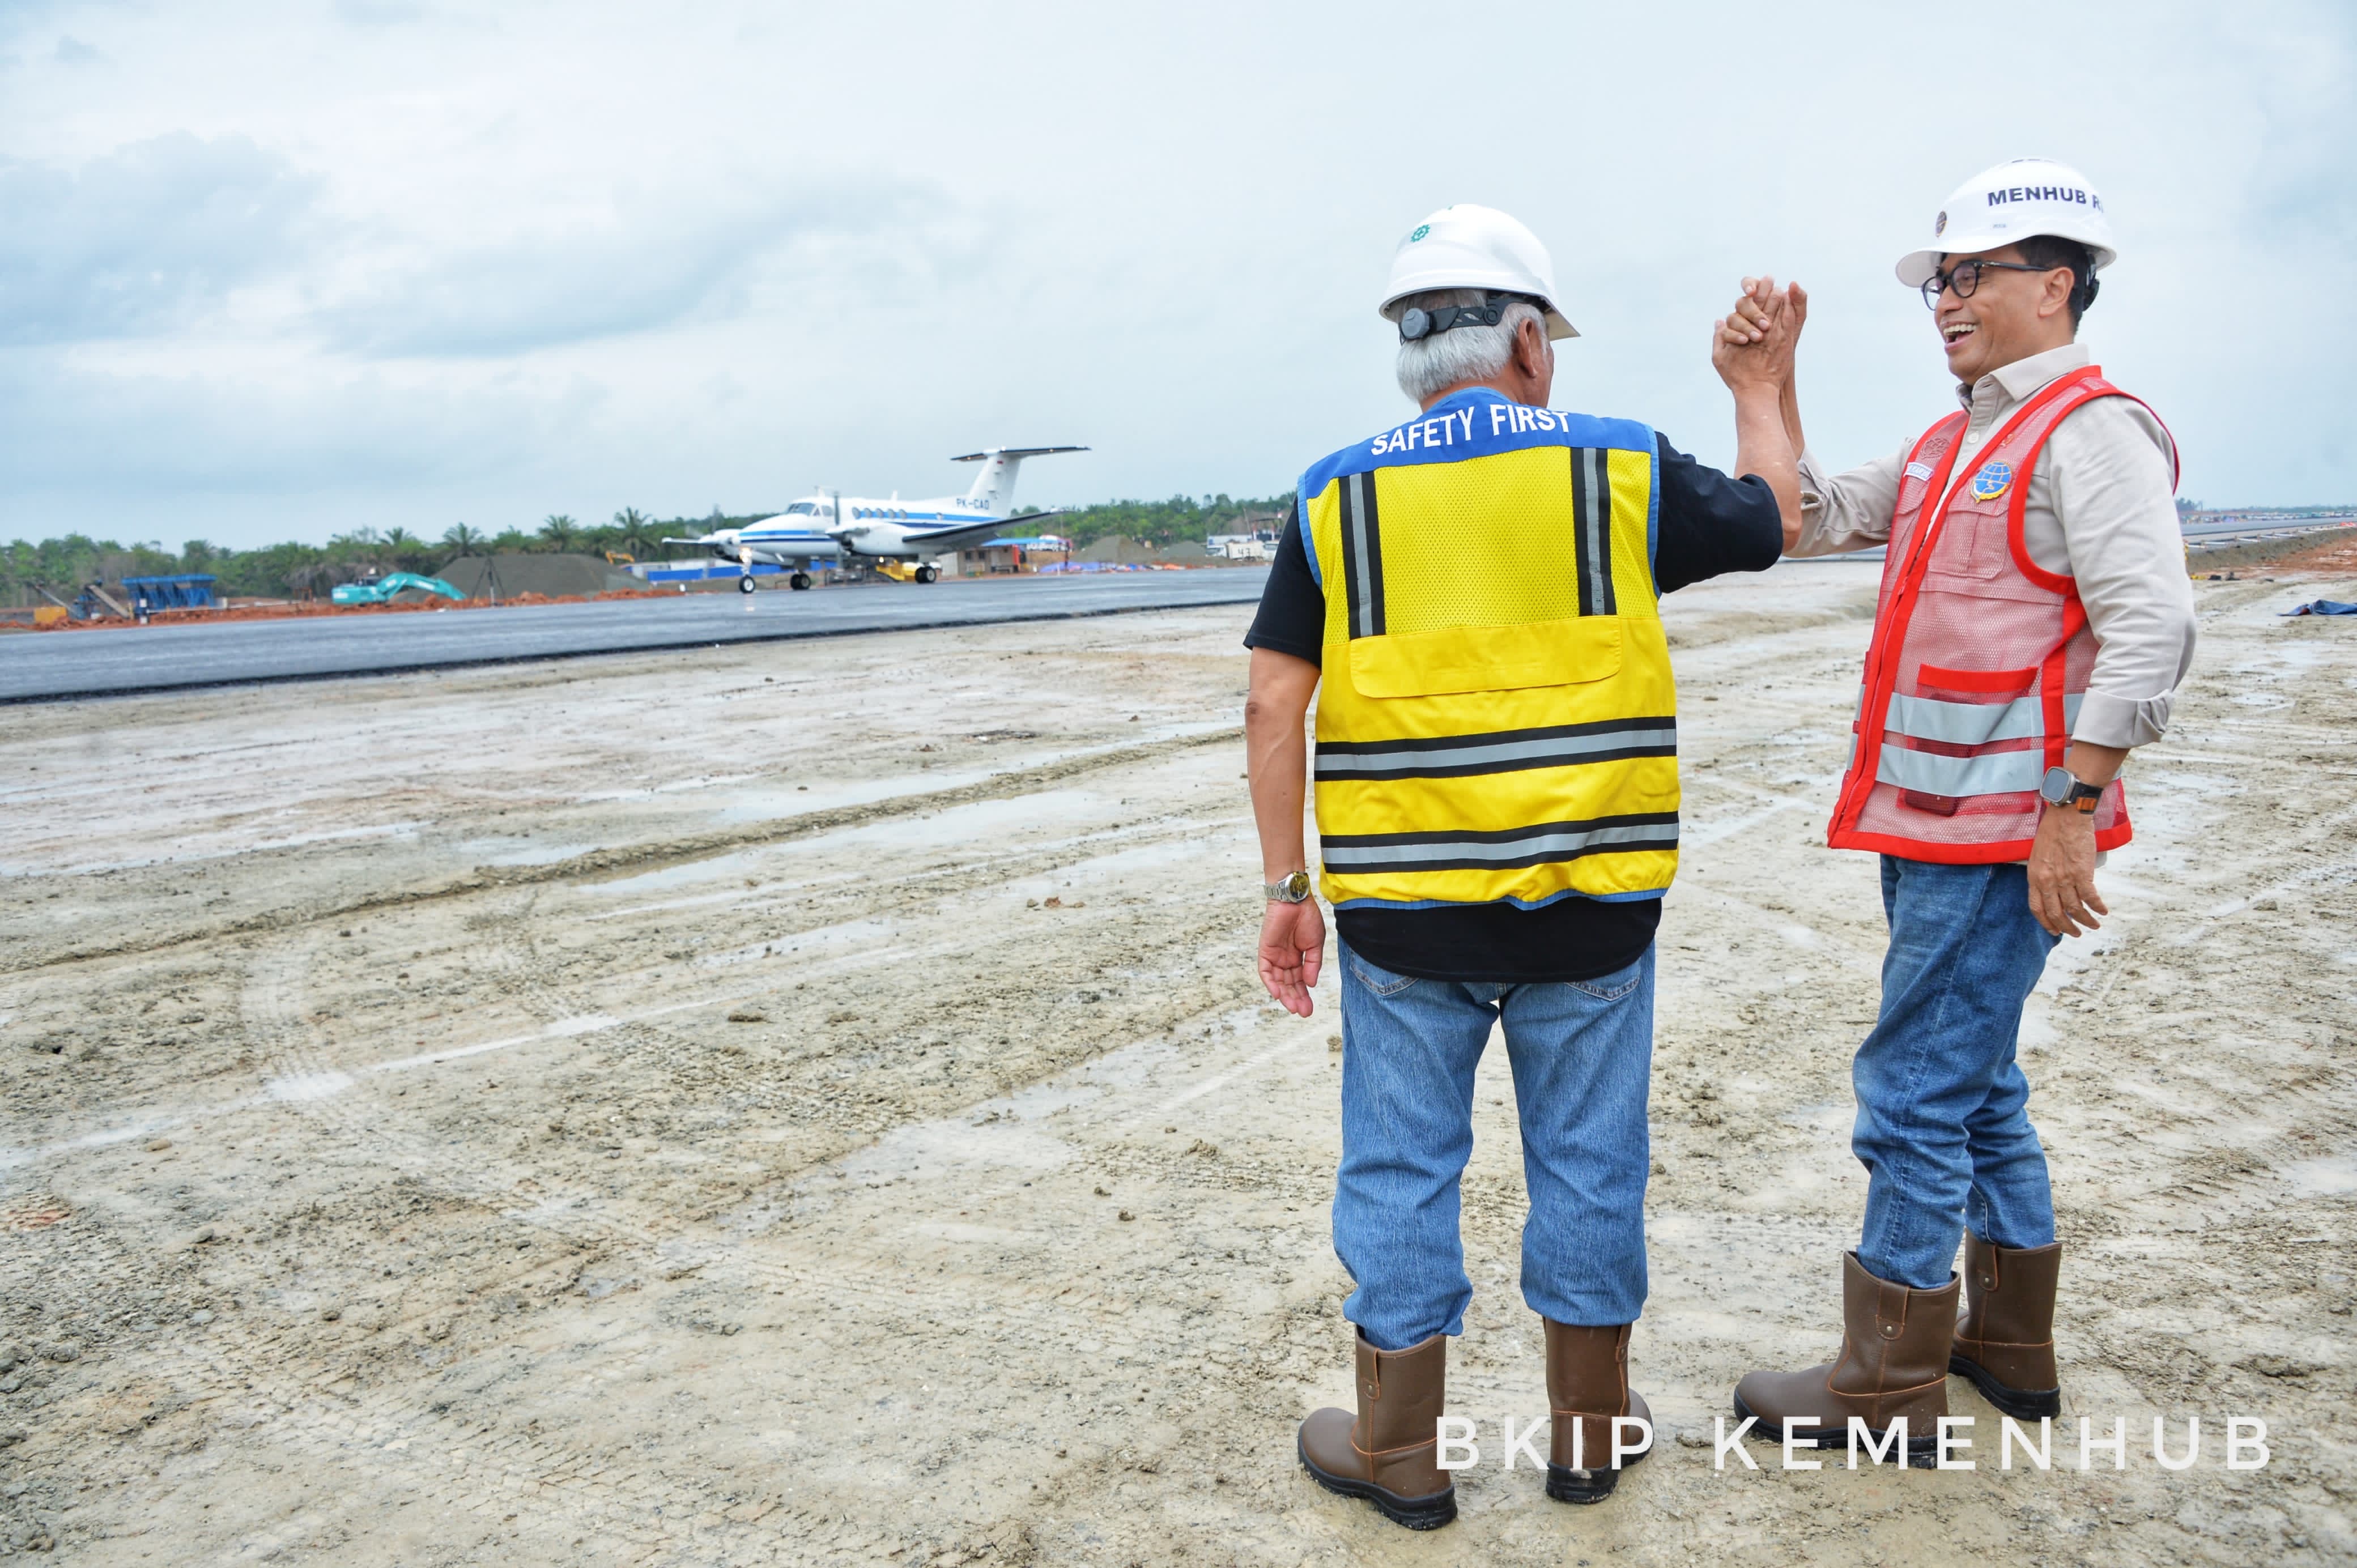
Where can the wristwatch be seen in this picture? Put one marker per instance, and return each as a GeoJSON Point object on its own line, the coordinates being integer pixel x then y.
{"type": "Point", "coordinates": [1291, 888]}
{"type": "Point", "coordinates": [2061, 787]}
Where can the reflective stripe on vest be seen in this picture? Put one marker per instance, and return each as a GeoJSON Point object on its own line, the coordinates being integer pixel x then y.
{"type": "Point", "coordinates": [1980, 657]}
{"type": "Point", "coordinates": [1497, 719]}
{"type": "Point", "coordinates": [1973, 724]}
{"type": "Point", "coordinates": [1968, 724]}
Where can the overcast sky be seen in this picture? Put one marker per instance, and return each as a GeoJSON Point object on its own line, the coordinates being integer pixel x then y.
{"type": "Point", "coordinates": [276, 271]}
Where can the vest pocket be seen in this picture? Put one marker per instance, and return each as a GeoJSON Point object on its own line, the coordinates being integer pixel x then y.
{"type": "Point", "coordinates": [1486, 658]}
{"type": "Point", "coordinates": [1972, 542]}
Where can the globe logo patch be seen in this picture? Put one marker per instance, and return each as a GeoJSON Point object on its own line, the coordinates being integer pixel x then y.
{"type": "Point", "coordinates": [1992, 481]}
{"type": "Point", "coordinates": [1421, 230]}
{"type": "Point", "coordinates": [1939, 225]}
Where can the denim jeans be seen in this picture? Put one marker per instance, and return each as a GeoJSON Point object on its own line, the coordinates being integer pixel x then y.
{"type": "Point", "coordinates": [1582, 1055]}
{"type": "Point", "coordinates": [1942, 1122]}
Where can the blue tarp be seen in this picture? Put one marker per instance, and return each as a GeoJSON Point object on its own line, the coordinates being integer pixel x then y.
{"type": "Point", "coordinates": [2324, 607]}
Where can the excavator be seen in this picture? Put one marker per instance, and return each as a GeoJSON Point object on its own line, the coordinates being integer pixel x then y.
{"type": "Point", "coordinates": [383, 590]}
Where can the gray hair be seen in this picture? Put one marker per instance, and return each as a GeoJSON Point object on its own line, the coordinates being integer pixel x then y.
{"type": "Point", "coordinates": [1430, 366]}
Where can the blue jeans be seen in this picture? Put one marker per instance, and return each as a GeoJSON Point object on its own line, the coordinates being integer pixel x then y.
{"type": "Point", "coordinates": [1942, 1121]}
{"type": "Point", "coordinates": [1582, 1055]}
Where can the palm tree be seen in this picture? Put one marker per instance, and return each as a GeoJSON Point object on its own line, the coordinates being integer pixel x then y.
{"type": "Point", "coordinates": [464, 540]}
{"type": "Point", "coordinates": [633, 529]}
{"type": "Point", "coordinates": [559, 531]}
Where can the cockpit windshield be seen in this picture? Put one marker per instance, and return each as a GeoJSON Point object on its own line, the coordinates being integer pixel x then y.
{"type": "Point", "coordinates": [802, 509]}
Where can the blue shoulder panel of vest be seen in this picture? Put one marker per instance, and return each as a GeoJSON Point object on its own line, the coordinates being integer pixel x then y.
{"type": "Point", "coordinates": [1300, 520]}
{"type": "Point", "coordinates": [1653, 522]}
{"type": "Point", "coordinates": [1476, 423]}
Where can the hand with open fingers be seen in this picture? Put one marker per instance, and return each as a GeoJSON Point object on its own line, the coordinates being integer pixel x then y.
{"type": "Point", "coordinates": [1292, 949]}
{"type": "Point", "coordinates": [2062, 896]}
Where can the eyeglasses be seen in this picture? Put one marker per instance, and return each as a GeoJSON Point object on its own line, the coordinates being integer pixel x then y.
{"type": "Point", "coordinates": [1964, 277]}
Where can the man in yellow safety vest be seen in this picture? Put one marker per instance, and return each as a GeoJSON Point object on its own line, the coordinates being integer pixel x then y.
{"type": "Point", "coordinates": [1497, 795]}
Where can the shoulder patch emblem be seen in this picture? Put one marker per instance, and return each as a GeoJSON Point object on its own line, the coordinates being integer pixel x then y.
{"type": "Point", "coordinates": [1992, 481]}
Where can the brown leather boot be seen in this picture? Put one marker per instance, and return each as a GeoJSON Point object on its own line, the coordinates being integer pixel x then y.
{"type": "Point", "coordinates": [1588, 1386]}
{"type": "Point", "coordinates": [2006, 1342]}
{"type": "Point", "coordinates": [1893, 1367]}
{"type": "Point", "coordinates": [1388, 1455]}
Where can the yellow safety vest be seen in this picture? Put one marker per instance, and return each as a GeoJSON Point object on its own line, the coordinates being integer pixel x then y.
{"type": "Point", "coordinates": [1497, 719]}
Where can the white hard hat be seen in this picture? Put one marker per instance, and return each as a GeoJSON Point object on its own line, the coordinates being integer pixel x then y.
{"type": "Point", "coordinates": [2012, 201]}
{"type": "Point", "coordinates": [1470, 246]}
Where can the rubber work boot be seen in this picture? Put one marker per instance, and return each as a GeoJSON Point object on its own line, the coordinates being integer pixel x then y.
{"type": "Point", "coordinates": [1388, 1456]}
{"type": "Point", "coordinates": [1588, 1386]}
{"type": "Point", "coordinates": [1892, 1367]}
{"type": "Point", "coordinates": [2006, 1342]}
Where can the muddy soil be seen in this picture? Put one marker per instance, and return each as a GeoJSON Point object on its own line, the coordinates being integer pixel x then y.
{"type": "Point", "coordinates": [810, 1103]}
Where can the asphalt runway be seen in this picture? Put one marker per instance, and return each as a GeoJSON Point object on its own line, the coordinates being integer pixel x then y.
{"type": "Point", "coordinates": [118, 662]}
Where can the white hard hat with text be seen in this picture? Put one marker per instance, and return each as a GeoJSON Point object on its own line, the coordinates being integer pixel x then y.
{"type": "Point", "coordinates": [2011, 202]}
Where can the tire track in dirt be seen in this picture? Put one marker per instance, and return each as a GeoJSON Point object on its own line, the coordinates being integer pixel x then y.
{"type": "Point", "coordinates": [336, 1424]}
{"type": "Point", "coordinates": [641, 856]}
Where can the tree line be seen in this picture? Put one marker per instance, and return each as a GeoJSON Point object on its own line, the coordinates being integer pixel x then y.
{"type": "Point", "coordinates": [295, 569]}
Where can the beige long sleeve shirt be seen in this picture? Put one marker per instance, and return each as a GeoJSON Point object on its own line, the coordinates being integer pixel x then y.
{"type": "Point", "coordinates": [2100, 509]}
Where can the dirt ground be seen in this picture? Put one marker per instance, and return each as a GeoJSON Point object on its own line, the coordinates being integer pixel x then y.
{"type": "Point", "coordinates": [810, 1103]}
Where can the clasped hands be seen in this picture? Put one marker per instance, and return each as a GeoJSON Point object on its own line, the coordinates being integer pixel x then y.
{"type": "Point", "coordinates": [1752, 346]}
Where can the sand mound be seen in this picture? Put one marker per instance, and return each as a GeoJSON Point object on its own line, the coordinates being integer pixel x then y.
{"type": "Point", "coordinates": [556, 577]}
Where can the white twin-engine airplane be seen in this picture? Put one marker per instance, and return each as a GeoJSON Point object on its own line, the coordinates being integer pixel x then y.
{"type": "Point", "coordinates": [891, 530]}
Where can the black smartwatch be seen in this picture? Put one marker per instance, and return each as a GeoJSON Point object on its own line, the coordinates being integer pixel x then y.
{"type": "Point", "coordinates": [2061, 787]}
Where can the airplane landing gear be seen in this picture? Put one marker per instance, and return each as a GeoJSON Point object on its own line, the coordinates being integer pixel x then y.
{"type": "Point", "coordinates": [798, 581]}
{"type": "Point", "coordinates": [927, 573]}
{"type": "Point", "coordinates": [745, 584]}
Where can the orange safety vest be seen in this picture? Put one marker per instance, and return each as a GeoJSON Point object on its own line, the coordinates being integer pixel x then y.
{"type": "Point", "coordinates": [1979, 660]}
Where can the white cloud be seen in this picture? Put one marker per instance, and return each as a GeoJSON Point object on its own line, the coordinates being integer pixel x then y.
{"type": "Point", "coordinates": [143, 239]}
{"type": "Point", "coordinates": [637, 266]}
{"type": "Point", "coordinates": [397, 264]}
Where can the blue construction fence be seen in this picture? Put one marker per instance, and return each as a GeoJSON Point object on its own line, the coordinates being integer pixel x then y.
{"type": "Point", "coordinates": [706, 570]}
{"type": "Point", "coordinates": [187, 591]}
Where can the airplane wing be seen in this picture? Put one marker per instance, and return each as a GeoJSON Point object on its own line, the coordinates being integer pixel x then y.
{"type": "Point", "coordinates": [709, 541]}
{"type": "Point", "coordinates": [972, 534]}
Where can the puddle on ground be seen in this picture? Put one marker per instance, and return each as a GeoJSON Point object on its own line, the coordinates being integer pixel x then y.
{"type": "Point", "coordinates": [509, 851]}
{"type": "Point", "coordinates": [2331, 1177]}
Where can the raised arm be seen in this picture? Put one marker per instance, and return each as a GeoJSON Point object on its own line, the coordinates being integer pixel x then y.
{"type": "Point", "coordinates": [1754, 357]}
{"type": "Point", "coordinates": [1845, 511]}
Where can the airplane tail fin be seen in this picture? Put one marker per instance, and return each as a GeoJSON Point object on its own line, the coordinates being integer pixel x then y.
{"type": "Point", "coordinates": [994, 487]}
